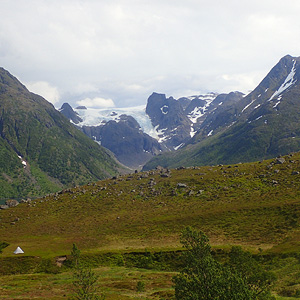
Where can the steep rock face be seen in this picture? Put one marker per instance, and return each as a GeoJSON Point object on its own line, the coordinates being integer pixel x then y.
{"type": "Point", "coordinates": [202, 114]}
{"type": "Point", "coordinates": [126, 140]}
{"type": "Point", "coordinates": [220, 115]}
{"type": "Point", "coordinates": [184, 102]}
{"type": "Point", "coordinates": [40, 151]}
{"type": "Point", "coordinates": [169, 119]}
{"type": "Point", "coordinates": [165, 112]}
{"type": "Point", "coordinates": [68, 112]}
{"type": "Point", "coordinates": [262, 125]}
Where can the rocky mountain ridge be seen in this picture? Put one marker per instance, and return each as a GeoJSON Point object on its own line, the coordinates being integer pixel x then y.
{"type": "Point", "coordinates": [262, 125]}
{"type": "Point", "coordinates": [136, 134]}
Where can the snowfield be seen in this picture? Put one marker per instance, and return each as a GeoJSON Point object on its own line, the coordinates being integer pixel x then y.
{"type": "Point", "coordinates": [96, 117]}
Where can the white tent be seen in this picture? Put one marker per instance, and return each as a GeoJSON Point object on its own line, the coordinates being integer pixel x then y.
{"type": "Point", "coordinates": [18, 251]}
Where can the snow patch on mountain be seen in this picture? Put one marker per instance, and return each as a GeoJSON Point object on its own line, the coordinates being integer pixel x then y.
{"type": "Point", "coordinates": [198, 112]}
{"type": "Point", "coordinates": [257, 106]}
{"type": "Point", "coordinates": [287, 83]}
{"type": "Point", "coordinates": [164, 109]}
{"type": "Point", "coordinates": [179, 146]}
{"type": "Point", "coordinates": [160, 134]}
{"type": "Point", "coordinates": [248, 105]}
{"type": "Point", "coordinates": [192, 132]}
{"type": "Point", "coordinates": [24, 163]}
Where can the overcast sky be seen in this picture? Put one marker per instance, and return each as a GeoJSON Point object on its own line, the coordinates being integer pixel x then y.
{"type": "Point", "coordinates": [102, 53]}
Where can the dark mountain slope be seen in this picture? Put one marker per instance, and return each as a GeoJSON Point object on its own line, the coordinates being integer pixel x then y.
{"type": "Point", "coordinates": [123, 137]}
{"type": "Point", "coordinates": [262, 125]}
{"type": "Point", "coordinates": [40, 151]}
{"type": "Point", "coordinates": [68, 112]}
{"type": "Point", "coordinates": [167, 116]}
{"type": "Point", "coordinates": [126, 140]}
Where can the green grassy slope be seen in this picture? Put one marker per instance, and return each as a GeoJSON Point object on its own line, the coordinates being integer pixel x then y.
{"type": "Point", "coordinates": [57, 154]}
{"type": "Point", "coordinates": [255, 204]}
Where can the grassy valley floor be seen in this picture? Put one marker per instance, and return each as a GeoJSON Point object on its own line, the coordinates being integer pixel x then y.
{"type": "Point", "coordinates": [121, 283]}
{"type": "Point", "coordinates": [255, 205]}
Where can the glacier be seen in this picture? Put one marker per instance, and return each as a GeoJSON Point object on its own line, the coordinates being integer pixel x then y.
{"type": "Point", "coordinates": [98, 116]}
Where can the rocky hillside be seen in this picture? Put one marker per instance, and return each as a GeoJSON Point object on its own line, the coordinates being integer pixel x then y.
{"type": "Point", "coordinates": [40, 151]}
{"type": "Point", "coordinates": [253, 204]}
{"type": "Point", "coordinates": [261, 125]}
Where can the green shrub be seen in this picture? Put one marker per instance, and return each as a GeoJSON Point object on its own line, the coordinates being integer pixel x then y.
{"type": "Point", "coordinates": [140, 286]}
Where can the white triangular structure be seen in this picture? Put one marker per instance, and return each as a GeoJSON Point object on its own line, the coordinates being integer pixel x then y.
{"type": "Point", "coordinates": [18, 251]}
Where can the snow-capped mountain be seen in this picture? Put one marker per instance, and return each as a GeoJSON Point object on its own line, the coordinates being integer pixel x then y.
{"type": "Point", "coordinates": [127, 132]}
{"type": "Point", "coordinates": [261, 125]}
{"type": "Point", "coordinates": [135, 134]}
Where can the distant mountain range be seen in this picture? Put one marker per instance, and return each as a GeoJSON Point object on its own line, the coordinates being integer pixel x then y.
{"type": "Point", "coordinates": [264, 124]}
{"type": "Point", "coordinates": [136, 134]}
{"type": "Point", "coordinates": [204, 129]}
{"type": "Point", "coordinates": [40, 151]}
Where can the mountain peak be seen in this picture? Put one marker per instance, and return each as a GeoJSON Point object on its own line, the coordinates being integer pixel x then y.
{"type": "Point", "coordinates": [290, 57]}
{"type": "Point", "coordinates": [68, 111]}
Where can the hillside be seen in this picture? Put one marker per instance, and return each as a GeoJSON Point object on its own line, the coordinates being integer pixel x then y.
{"type": "Point", "coordinates": [262, 125]}
{"type": "Point", "coordinates": [253, 204]}
{"type": "Point", "coordinates": [40, 151]}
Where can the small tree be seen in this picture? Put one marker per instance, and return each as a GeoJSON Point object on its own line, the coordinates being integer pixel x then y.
{"type": "Point", "coordinates": [259, 280]}
{"type": "Point", "coordinates": [202, 277]}
{"type": "Point", "coordinates": [75, 254]}
{"type": "Point", "coordinates": [84, 279]}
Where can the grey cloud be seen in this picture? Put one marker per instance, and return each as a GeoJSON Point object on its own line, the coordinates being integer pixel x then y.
{"type": "Point", "coordinates": [124, 50]}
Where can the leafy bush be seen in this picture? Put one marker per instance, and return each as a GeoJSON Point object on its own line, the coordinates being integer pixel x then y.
{"type": "Point", "coordinates": [202, 277]}
{"type": "Point", "coordinates": [140, 286]}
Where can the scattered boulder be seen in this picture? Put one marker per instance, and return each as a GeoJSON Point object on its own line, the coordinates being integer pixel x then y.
{"type": "Point", "coordinates": [180, 168]}
{"type": "Point", "coordinates": [181, 185]}
{"type": "Point", "coordinates": [12, 203]}
{"type": "Point", "coordinates": [165, 175]}
{"type": "Point", "coordinates": [60, 260]}
{"type": "Point", "coordinates": [280, 160]}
